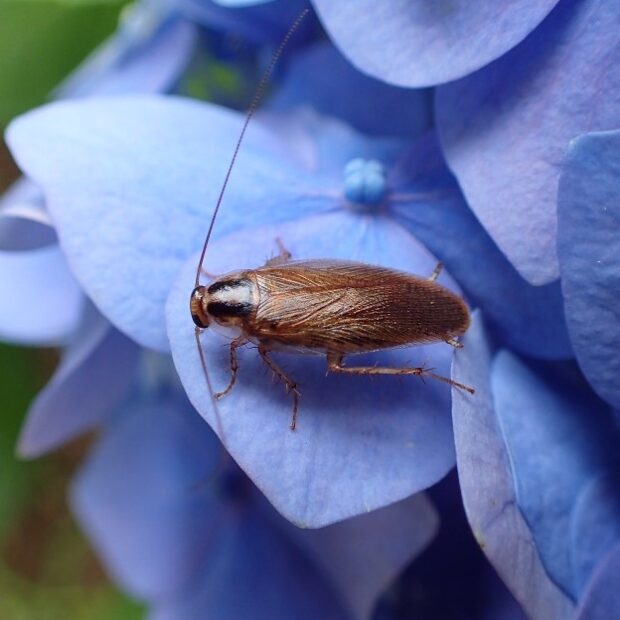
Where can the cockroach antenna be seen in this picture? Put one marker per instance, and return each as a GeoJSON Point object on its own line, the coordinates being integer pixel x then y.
{"type": "Point", "coordinates": [258, 95]}
{"type": "Point", "coordinates": [355, 307]}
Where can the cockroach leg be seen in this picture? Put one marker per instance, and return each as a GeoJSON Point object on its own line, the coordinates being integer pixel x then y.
{"type": "Point", "coordinates": [234, 365]}
{"type": "Point", "coordinates": [291, 386]}
{"type": "Point", "coordinates": [334, 364]}
{"type": "Point", "coordinates": [283, 257]}
{"type": "Point", "coordinates": [436, 272]}
{"type": "Point", "coordinates": [454, 343]}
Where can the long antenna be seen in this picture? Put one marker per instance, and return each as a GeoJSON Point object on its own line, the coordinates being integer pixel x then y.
{"type": "Point", "coordinates": [258, 95]}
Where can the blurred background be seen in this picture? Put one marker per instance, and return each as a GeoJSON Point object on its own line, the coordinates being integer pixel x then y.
{"type": "Point", "coordinates": [47, 570]}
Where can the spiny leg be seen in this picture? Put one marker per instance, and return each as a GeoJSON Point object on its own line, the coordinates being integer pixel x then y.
{"type": "Point", "coordinates": [283, 257]}
{"type": "Point", "coordinates": [334, 364]}
{"type": "Point", "coordinates": [234, 365]}
{"type": "Point", "coordinates": [436, 272]}
{"type": "Point", "coordinates": [454, 343]}
{"type": "Point", "coordinates": [291, 386]}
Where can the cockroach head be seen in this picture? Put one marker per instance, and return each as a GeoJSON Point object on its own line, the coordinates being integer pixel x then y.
{"type": "Point", "coordinates": [196, 307]}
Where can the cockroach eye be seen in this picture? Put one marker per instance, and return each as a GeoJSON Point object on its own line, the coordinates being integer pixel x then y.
{"type": "Point", "coordinates": [364, 182]}
{"type": "Point", "coordinates": [199, 316]}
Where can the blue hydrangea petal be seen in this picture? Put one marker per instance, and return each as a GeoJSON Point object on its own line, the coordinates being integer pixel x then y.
{"type": "Point", "coordinates": [353, 434]}
{"type": "Point", "coordinates": [506, 128]}
{"type": "Point", "coordinates": [264, 22]}
{"type": "Point", "coordinates": [325, 145]}
{"type": "Point", "coordinates": [363, 555]}
{"type": "Point", "coordinates": [140, 500]}
{"type": "Point", "coordinates": [93, 378]}
{"type": "Point", "coordinates": [595, 525]}
{"type": "Point", "coordinates": [132, 185]}
{"type": "Point", "coordinates": [427, 200]}
{"type": "Point", "coordinates": [322, 77]}
{"type": "Point", "coordinates": [147, 54]}
{"type": "Point", "coordinates": [601, 599]}
{"type": "Point", "coordinates": [487, 484]}
{"type": "Point", "coordinates": [414, 43]}
{"type": "Point", "coordinates": [558, 436]}
{"type": "Point", "coordinates": [589, 220]}
{"type": "Point", "coordinates": [25, 224]}
{"type": "Point", "coordinates": [257, 573]}
{"type": "Point", "coordinates": [31, 281]}
{"type": "Point", "coordinates": [240, 3]}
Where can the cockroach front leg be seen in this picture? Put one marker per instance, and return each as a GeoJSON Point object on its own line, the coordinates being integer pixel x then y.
{"type": "Point", "coordinates": [291, 386]}
{"type": "Point", "coordinates": [234, 365]}
{"type": "Point", "coordinates": [334, 364]}
{"type": "Point", "coordinates": [283, 257]}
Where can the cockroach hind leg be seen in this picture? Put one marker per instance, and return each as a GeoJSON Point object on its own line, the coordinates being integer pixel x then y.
{"type": "Point", "coordinates": [283, 257]}
{"type": "Point", "coordinates": [234, 366]}
{"type": "Point", "coordinates": [291, 386]}
{"type": "Point", "coordinates": [335, 364]}
{"type": "Point", "coordinates": [454, 343]}
{"type": "Point", "coordinates": [436, 272]}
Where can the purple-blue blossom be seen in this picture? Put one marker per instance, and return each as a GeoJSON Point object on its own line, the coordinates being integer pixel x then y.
{"type": "Point", "coordinates": [512, 181]}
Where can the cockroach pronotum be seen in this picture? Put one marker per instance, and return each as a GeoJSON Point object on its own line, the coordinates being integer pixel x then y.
{"type": "Point", "coordinates": [331, 307]}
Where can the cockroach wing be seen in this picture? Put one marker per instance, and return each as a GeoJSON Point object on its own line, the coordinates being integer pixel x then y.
{"type": "Point", "coordinates": [349, 307]}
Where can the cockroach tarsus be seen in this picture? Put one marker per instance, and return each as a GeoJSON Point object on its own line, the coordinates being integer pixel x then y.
{"type": "Point", "coordinates": [332, 307]}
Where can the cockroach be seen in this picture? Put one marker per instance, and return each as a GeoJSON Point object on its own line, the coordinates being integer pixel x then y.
{"type": "Point", "coordinates": [331, 307]}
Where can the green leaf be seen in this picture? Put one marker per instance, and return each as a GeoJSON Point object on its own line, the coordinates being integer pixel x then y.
{"type": "Point", "coordinates": [41, 41]}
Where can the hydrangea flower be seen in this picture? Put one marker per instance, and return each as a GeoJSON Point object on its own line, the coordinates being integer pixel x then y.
{"type": "Point", "coordinates": [193, 545]}
{"type": "Point", "coordinates": [59, 414]}
{"type": "Point", "coordinates": [533, 75]}
{"type": "Point", "coordinates": [537, 467]}
{"type": "Point", "coordinates": [148, 54]}
{"type": "Point", "coordinates": [130, 183]}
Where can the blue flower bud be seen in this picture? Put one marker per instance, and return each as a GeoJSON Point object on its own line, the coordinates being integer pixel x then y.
{"type": "Point", "coordinates": [364, 181]}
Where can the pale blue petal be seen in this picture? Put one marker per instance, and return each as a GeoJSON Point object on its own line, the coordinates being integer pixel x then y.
{"type": "Point", "coordinates": [595, 525]}
{"type": "Point", "coordinates": [323, 78]}
{"type": "Point", "coordinates": [427, 200]}
{"type": "Point", "coordinates": [238, 3]}
{"type": "Point", "coordinates": [132, 184]}
{"type": "Point", "coordinates": [417, 43]}
{"type": "Point", "coordinates": [558, 436]}
{"type": "Point", "coordinates": [589, 221]}
{"type": "Point", "coordinates": [259, 22]}
{"type": "Point", "coordinates": [147, 54]}
{"type": "Point", "coordinates": [94, 376]}
{"type": "Point", "coordinates": [363, 555]}
{"type": "Point", "coordinates": [601, 600]}
{"type": "Point", "coordinates": [254, 572]}
{"type": "Point", "coordinates": [360, 444]}
{"type": "Point", "coordinates": [24, 221]}
{"type": "Point", "coordinates": [487, 484]}
{"type": "Point", "coordinates": [41, 302]}
{"type": "Point", "coordinates": [142, 500]}
{"type": "Point", "coordinates": [506, 128]}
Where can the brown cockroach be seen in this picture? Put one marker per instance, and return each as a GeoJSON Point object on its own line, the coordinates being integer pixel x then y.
{"type": "Point", "coordinates": [332, 307]}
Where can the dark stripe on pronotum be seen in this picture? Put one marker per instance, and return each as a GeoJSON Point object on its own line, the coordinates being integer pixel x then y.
{"type": "Point", "coordinates": [222, 309]}
{"type": "Point", "coordinates": [226, 284]}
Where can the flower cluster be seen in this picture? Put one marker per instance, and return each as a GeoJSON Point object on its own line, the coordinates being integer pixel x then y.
{"type": "Point", "coordinates": [482, 135]}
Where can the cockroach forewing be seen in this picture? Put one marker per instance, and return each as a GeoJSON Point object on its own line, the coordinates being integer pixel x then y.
{"type": "Point", "coordinates": [350, 307]}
